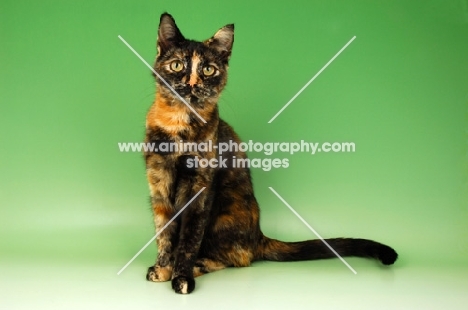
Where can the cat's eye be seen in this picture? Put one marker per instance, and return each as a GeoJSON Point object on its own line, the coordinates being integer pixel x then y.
{"type": "Point", "coordinates": [177, 66]}
{"type": "Point", "coordinates": [209, 70]}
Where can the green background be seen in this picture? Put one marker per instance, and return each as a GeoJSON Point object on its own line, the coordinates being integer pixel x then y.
{"type": "Point", "coordinates": [74, 209]}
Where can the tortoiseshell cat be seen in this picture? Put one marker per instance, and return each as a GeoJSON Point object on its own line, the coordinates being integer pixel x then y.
{"type": "Point", "coordinates": [220, 228]}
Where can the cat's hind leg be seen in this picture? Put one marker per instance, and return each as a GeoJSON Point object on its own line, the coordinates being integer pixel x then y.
{"type": "Point", "coordinates": [206, 265]}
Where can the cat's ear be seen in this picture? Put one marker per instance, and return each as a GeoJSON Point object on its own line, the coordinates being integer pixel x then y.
{"type": "Point", "coordinates": [168, 33]}
{"type": "Point", "coordinates": [222, 40]}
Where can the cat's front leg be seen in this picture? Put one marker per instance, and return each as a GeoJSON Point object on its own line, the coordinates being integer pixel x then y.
{"type": "Point", "coordinates": [160, 180]}
{"type": "Point", "coordinates": [166, 242]}
{"type": "Point", "coordinates": [194, 220]}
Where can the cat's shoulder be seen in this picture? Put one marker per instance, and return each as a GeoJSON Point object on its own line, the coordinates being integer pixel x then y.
{"type": "Point", "coordinates": [226, 131]}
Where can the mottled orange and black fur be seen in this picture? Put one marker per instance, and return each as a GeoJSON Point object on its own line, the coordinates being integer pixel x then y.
{"type": "Point", "coordinates": [220, 228]}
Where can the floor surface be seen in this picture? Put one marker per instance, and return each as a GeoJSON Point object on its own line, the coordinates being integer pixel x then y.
{"type": "Point", "coordinates": [265, 285]}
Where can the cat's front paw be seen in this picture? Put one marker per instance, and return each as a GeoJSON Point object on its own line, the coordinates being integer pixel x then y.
{"type": "Point", "coordinates": [159, 274]}
{"type": "Point", "coordinates": [183, 285]}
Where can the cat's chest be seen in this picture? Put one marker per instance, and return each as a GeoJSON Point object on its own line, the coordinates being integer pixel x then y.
{"type": "Point", "coordinates": [173, 120]}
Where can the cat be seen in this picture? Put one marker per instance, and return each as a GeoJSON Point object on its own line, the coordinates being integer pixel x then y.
{"type": "Point", "coordinates": [220, 228]}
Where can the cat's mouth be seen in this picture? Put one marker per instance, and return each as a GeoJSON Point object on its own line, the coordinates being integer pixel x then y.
{"type": "Point", "coordinates": [193, 99]}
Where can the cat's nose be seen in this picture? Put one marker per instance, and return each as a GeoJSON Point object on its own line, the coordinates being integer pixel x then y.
{"type": "Point", "coordinates": [193, 79]}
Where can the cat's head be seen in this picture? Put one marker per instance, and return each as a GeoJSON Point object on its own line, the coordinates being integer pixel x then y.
{"type": "Point", "coordinates": [197, 71]}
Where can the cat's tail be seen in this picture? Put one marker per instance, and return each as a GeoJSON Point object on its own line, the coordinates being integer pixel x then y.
{"type": "Point", "coordinates": [275, 250]}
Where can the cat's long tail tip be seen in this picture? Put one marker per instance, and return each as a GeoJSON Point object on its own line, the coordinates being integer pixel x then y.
{"type": "Point", "coordinates": [387, 255]}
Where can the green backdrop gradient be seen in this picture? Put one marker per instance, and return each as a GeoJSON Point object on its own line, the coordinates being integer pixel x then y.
{"type": "Point", "coordinates": [74, 209]}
